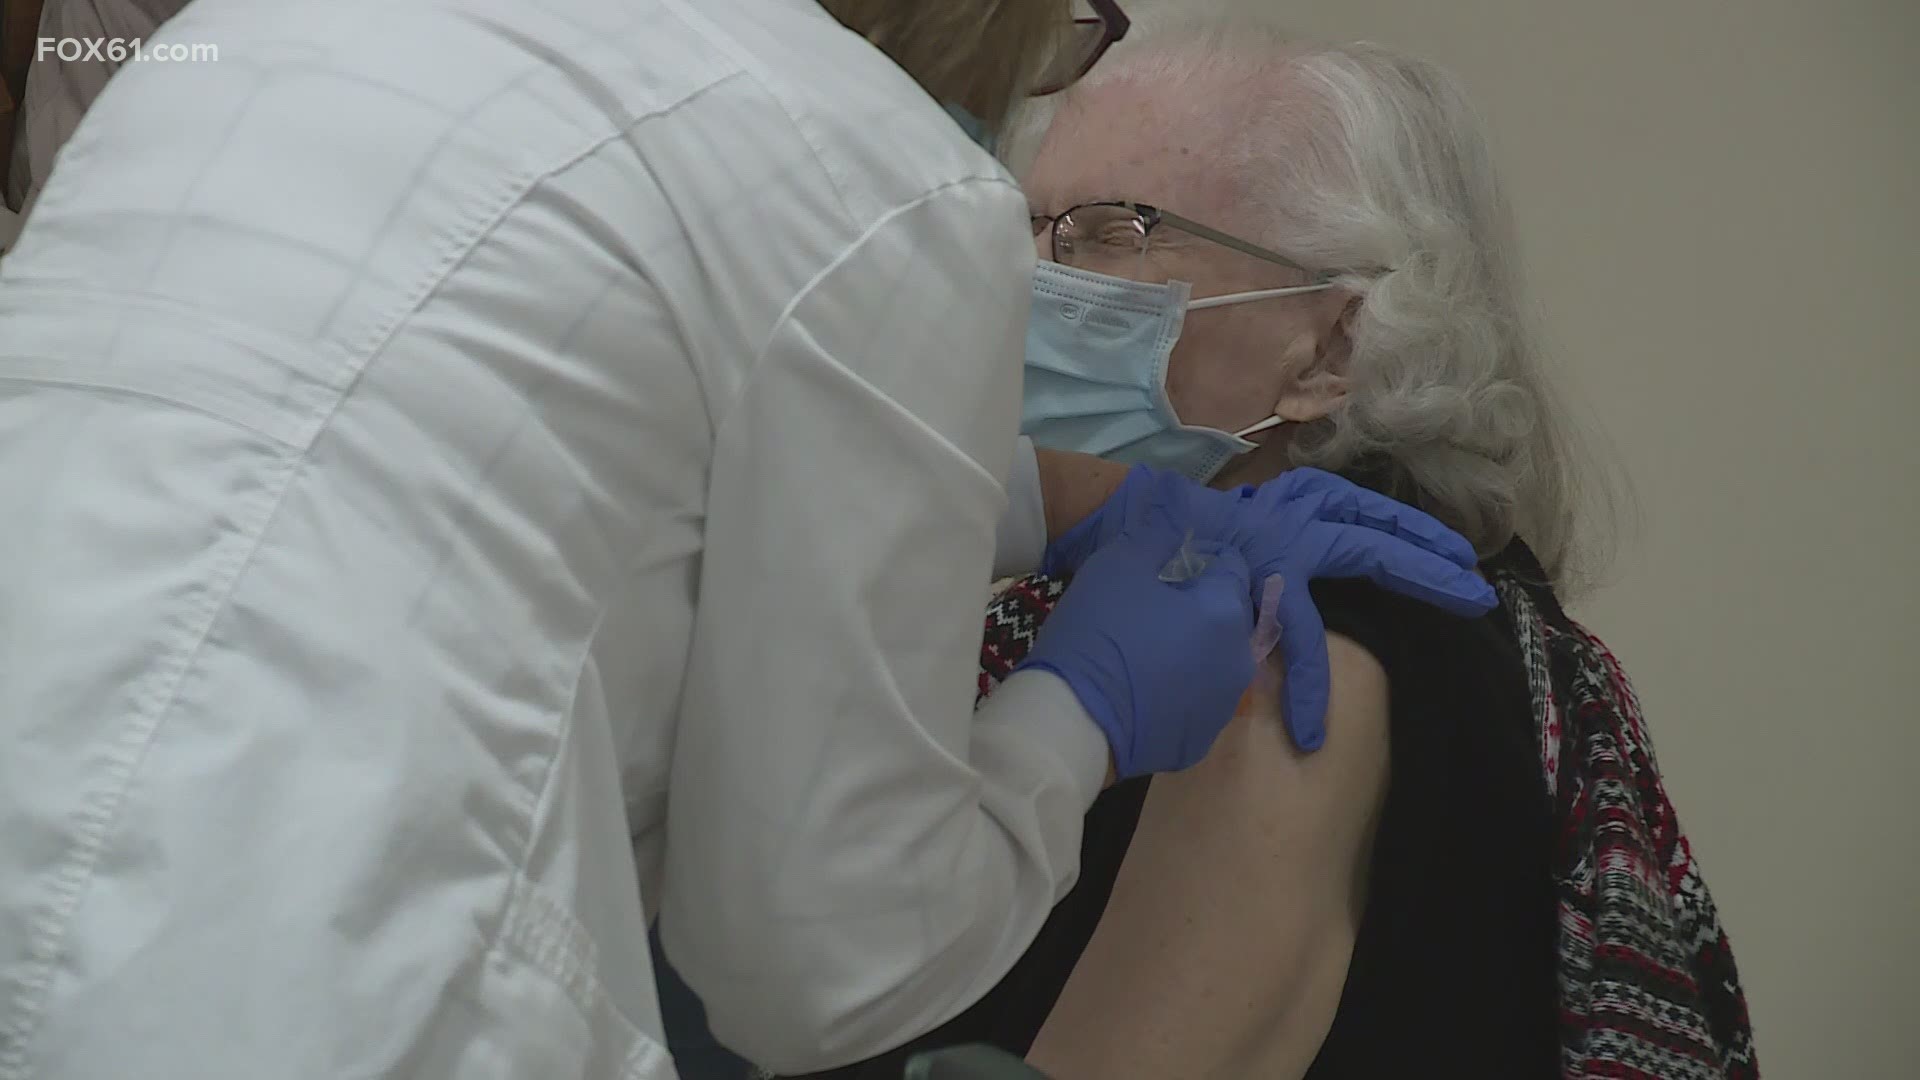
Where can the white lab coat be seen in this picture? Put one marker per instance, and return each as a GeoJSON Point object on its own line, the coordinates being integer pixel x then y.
{"type": "Point", "coordinates": [474, 473]}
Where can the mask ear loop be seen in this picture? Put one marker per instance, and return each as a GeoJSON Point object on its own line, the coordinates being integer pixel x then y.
{"type": "Point", "coordinates": [1249, 297]}
{"type": "Point", "coordinates": [1265, 425]}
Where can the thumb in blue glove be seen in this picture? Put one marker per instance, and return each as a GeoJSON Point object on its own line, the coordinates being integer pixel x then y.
{"type": "Point", "coordinates": [1159, 666]}
{"type": "Point", "coordinates": [1146, 497]}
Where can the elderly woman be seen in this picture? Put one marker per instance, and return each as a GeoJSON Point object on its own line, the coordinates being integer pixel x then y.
{"type": "Point", "coordinates": [1477, 871]}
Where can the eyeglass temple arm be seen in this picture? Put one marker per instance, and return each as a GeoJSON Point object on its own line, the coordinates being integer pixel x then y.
{"type": "Point", "coordinates": [1237, 244]}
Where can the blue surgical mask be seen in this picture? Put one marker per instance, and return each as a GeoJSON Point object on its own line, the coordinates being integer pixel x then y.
{"type": "Point", "coordinates": [1096, 371]}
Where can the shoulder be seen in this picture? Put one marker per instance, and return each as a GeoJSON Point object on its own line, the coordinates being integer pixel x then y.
{"type": "Point", "coordinates": [1264, 850]}
{"type": "Point", "coordinates": [1429, 656]}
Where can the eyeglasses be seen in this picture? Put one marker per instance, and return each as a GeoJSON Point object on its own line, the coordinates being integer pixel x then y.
{"type": "Point", "coordinates": [1086, 42]}
{"type": "Point", "coordinates": [1146, 243]}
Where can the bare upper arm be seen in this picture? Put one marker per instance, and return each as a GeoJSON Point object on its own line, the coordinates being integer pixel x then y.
{"type": "Point", "coordinates": [1225, 945]}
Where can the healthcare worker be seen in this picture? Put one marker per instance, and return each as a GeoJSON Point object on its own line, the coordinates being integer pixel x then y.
{"type": "Point", "coordinates": [476, 473]}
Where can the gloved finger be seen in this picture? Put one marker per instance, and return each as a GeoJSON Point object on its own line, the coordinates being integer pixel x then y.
{"type": "Point", "coordinates": [1064, 556]}
{"type": "Point", "coordinates": [1303, 492]}
{"type": "Point", "coordinates": [1307, 480]}
{"type": "Point", "coordinates": [1225, 588]}
{"type": "Point", "coordinates": [1355, 551]}
{"type": "Point", "coordinates": [1125, 507]}
{"type": "Point", "coordinates": [1228, 562]}
{"type": "Point", "coordinates": [1266, 619]}
{"type": "Point", "coordinates": [1207, 513]}
{"type": "Point", "coordinates": [1135, 496]}
{"type": "Point", "coordinates": [1159, 543]}
{"type": "Point", "coordinates": [1303, 648]}
{"type": "Point", "coordinates": [1356, 505]}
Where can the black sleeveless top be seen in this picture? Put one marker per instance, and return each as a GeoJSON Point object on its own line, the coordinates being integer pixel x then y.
{"type": "Point", "coordinates": [1453, 969]}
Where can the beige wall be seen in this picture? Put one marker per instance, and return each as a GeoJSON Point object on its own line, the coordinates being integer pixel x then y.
{"type": "Point", "coordinates": [1720, 202]}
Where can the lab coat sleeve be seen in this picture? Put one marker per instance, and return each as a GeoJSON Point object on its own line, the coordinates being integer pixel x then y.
{"type": "Point", "coordinates": [853, 855]}
{"type": "Point", "coordinates": [1022, 538]}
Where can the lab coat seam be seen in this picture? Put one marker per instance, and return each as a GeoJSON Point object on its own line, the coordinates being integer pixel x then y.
{"type": "Point", "coordinates": [144, 394]}
{"type": "Point", "coordinates": [99, 811]}
{"type": "Point", "coordinates": [561, 947]}
{"type": "Point", "coordinates": [646, 1060]}
{"type": "Point", "coordinates": [355, 361]}
{"type": "Point", "coordinates": [263, 343]}
{"type": "Point", "coordinates": [516, 188]}
{"type": "Point", "coordinates": [543, 933]}
{"type": "Point", "coordinates": [750, 69]}
{"type": "Point", "coordinates": [641, 264]}
{"type": "Point", "coordinates": [542, 793]}
{"type": "Point", "coordinates": [820, 276]}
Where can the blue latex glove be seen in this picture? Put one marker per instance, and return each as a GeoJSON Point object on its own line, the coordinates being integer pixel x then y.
{"type": "Point", "coordinates": [1160, 667]}
{"type": "Point", "coordinates": [1304, 526]}
{"type": "Point", "coordinates": [1144, 496]}
{"type": "Point", "coordinates": [1308, 525]}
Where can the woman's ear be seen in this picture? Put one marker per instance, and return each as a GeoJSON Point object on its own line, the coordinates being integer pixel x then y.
{"type": "Point", "coordinates": [1315, 379]}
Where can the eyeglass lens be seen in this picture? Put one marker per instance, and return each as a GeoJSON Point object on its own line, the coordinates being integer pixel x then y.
{"type": "Point", "coordinates": [1076, 49]}
{"type": "Point", "coordinates": [1116, 241]}
{"type": "Point", "coordinates": [1074, 53]}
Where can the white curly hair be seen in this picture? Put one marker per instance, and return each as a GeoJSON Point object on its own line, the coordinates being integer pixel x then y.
{"type": "Point", "coordinates": [1362, 159]}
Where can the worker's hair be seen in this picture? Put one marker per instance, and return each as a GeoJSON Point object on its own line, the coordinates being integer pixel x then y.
{"type": "Point", "coordinates": [982, 55]}
{"type": "Point", "coordinates": [1359, 159]}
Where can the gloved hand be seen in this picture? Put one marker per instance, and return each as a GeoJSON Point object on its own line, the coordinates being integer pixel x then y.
{"type": "Point", "coordinates": [1159, 666]}
{"type": "Point", "coordinates": [1146, 495]}
{"type": "Point", "coordinates": [1307, 525]}
{"type": "Point", "coordinates": [1304, 526]}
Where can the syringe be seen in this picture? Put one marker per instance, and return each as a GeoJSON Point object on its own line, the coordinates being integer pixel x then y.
{"type": "Point", "coordinates": [1188, 564]}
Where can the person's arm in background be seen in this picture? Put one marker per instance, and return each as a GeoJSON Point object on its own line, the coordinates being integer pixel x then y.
{"type": "Point", "coordinates": [1224, 947]}
{"type": "Point", "coordinates": [19, 31]}
{"type": "Point", "coordinates": [1075, 485]}
{"type": "Point", "coordinates": [854, 855]}
{"type": "Point", "coordinates": [1048, 493]}
{"type": "Point", "coordinates": [7, 117]}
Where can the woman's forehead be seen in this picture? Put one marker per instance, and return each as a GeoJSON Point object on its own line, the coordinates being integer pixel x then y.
{"type": "Point", "coordinates": [1153, 125]}
{"type": "Point", "coordinates": [1075, 168]}
{"type": "Point", "coordinates": [1114, 144]}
